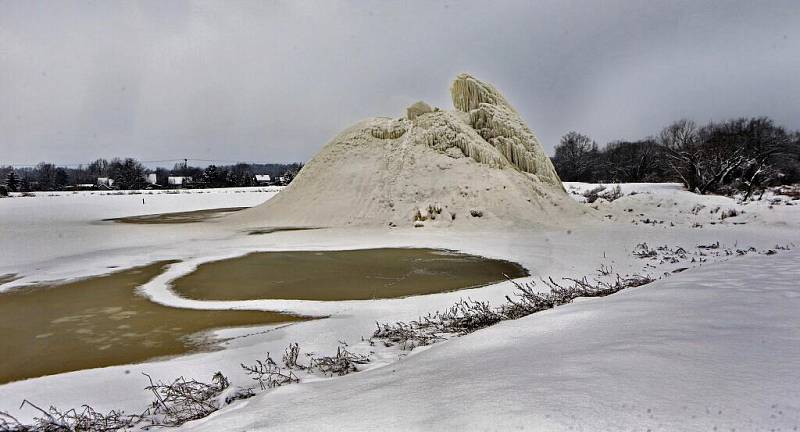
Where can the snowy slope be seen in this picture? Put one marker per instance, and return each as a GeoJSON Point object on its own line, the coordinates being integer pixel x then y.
{"type": "Point", "coordinates": [665, 203]}
{"type": "Point", "coordinates": [715, 348]}
{"type": "Point", "coordinates": [49, 249]}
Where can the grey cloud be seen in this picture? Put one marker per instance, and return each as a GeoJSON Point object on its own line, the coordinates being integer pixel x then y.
{"type": "Point", "coordinates": [273, 81]}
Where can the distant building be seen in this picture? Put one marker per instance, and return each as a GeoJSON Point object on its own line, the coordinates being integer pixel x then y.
{"type": "Point", "coordinates": [178, 180]}
{"type": "Point", "coordinates": [263, 179]}
{"type": "Point", "coordinates": [81, 187]}
{"type": "Point", "coordinates": [151, 178]}
{"type": "Point", "coordinates": [105, 181]}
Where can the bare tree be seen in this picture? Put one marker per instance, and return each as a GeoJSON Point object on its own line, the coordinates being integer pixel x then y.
{"type": "Point", "coordinates": [575, 157]}
{"type": "Point", "coordinates": [763, 141]}
{"type": "Point", "coordinates": [632, 161]}
{"type": "Point", "coordinates": [681, 144]}
{"type": "Point", "coordinates": [702, 158]}
{"type": "Point", "coordinates": [45, 176]}
{"type": "Point", "coordinates": [98, 168]}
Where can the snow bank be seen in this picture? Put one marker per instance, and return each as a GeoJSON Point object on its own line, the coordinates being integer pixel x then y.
{"type": "Point", "coordinates": [711, 349]}
{"type": "Point", "coordinates": [671, 204]}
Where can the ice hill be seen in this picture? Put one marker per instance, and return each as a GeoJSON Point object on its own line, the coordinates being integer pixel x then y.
{"type": "Point", "coordinates": [477, 165]}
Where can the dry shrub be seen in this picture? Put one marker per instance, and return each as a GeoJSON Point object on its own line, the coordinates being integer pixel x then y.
{"type": "Point", "coordinates": [467, 316]}
{"type": "Point", "coordinates": [175, 403]}
{"type": "Point", "coordinates": [343, 363]}
{"type": "Point", "coordinates": [268, 374]}
{"type": "Point", "coordinates": [591, 195]}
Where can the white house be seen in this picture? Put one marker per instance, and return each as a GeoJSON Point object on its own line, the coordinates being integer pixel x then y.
{"type": "Point", "coordinates": [151, 178]}
{"type": "Point", "coordinates": [178, 180]}
{"type": "Point", "coordinates": [262, 178]}
{"type": "Point", "coordinates": [105, 181]}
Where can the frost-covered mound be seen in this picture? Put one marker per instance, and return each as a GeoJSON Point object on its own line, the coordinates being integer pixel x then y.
{"type": "Point", "coordinates": [478, 165]}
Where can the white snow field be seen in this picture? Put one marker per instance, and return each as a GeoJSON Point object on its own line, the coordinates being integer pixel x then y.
{"type": "Point", "coordinates": [53, 225]}
{"type": "Point", "coordinates": [714, 346]}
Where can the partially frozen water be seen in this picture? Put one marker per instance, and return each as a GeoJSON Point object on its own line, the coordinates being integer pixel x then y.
{"type": "Point", "coordinates": [342, 275]}
{"type": "Point", "coordinates": [102, 321]}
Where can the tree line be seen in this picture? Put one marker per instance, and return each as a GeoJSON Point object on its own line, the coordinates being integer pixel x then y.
{"type": "Point", "coordinates": [129, 173]}
{"type": "Point", "coordinates": [742, 155]}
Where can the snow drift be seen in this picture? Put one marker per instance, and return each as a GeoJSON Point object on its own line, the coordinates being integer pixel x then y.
{"type": "Point", "coordinates": [714, 348]}
{"type": "Point", "coordinates": [479, 164]}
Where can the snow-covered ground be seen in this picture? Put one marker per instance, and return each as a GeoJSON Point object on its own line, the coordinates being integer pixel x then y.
{"type": "Point", "coordinates": [716, 348]}
{"type": "Point", "coordinates": [710, 346]}
{"type": "Point", "coordinates": [49, 227]}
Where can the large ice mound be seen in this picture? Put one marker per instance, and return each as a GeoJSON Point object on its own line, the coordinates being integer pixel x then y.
{"type": "Point", "coordinates": [477, 165]}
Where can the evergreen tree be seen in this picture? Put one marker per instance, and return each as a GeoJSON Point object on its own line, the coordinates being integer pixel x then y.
{"type": "Point", "coordinates": [215, 177]}
{"type": "Point", "coordinates": [12, 181]}
{"type": "Point", "coordinates": [60, 179]}
{"type": "Point", "coordinates": [127, 174]}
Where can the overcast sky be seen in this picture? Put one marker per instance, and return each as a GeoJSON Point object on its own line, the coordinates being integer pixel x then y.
{"type": "Point", "coordinates": [274, 81]}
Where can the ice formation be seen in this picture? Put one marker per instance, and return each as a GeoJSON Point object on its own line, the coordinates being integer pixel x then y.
{"type": "Point", "coordinates": [417, 109]}
{"type": "Point", "coordinates": [476, 165]}
{"type": "Point", "coordinates": [500, 125]}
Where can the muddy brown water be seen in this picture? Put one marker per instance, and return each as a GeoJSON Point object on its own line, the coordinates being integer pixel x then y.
{"type": "Point", "coordinates": [102, 321]}
{"type": "Point", "coordinates": [177, 217]}
{"type": "Point", "coordinates": [342, 275]}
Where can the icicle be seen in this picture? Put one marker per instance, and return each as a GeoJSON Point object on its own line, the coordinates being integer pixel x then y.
{"type": "Point", "coordinates": [497, 122]}
{"type": "Point", "coordinates": [390, 130]}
